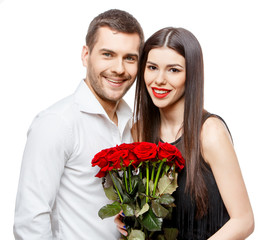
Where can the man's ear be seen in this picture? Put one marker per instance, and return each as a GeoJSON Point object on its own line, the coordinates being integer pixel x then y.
{"type": "Point", "coordinates": [85, 55]}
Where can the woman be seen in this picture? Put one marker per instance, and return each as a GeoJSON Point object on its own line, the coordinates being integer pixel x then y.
{"type": "Point", "coordinates": [212, 201]}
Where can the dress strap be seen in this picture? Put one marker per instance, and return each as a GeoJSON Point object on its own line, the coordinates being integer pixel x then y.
{"type": "Point", "coordinates": [206, 115]}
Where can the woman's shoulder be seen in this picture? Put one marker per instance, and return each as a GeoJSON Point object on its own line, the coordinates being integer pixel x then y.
{"type": "Point", "coordinates": [214, 127]}
{"type": "Point", "coordinates": [214, 135]}
{"type": "Point", "coordinates": [214, 122]}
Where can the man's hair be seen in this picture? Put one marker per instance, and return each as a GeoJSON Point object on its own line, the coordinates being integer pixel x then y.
{"type": "Point", "coordinates": [115, 19]}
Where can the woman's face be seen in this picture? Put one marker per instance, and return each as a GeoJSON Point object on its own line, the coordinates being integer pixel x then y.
{"type": "Point", "coordinates": [165, 76]}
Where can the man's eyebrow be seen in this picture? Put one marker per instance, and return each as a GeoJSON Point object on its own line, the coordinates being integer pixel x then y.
{"type": "Point", "coordinates": [106, 50]}
{"type": "Point", "coordinates": [111, 51]}
{"type": "Point", "coordinates": [132, 55]}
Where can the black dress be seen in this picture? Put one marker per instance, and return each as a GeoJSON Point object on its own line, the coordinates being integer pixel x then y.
{"type": "Point", "coordinates": [184, 219]}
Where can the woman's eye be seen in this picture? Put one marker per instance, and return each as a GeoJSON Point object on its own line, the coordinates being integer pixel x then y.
{"type": "Point", "coordinates": [174, 70]}
{"type": "Point", "coordinates": [151, 67]}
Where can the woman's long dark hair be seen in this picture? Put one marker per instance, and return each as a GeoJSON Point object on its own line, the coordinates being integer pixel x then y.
{"type": "Point", "coordinates": [147, 116]}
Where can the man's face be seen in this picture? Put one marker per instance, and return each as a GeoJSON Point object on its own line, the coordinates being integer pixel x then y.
{"type": "Point", "coordinates": [112, 64]}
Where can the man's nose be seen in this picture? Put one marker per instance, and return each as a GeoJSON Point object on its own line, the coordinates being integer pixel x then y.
{"type": "Point", "coordinates": [118, 66]}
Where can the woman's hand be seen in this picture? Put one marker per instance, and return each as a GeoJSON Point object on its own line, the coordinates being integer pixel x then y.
{"type": "Point", "coordinates": [120, 225]}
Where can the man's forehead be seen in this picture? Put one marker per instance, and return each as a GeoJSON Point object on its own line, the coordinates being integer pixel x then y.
{"type": "Point", "coordinates": [108, 38]}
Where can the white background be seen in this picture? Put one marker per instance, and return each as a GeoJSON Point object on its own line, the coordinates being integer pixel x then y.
{"type": "Point", "coordinates": [40, 47]}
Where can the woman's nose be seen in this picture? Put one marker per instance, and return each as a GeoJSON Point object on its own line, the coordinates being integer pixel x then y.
{"type": "Point", "coordinates": [160, 79]}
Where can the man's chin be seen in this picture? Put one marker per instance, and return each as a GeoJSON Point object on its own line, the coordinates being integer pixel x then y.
{"type": "Point", "coordinates": [112, 98]}
{"type": "Point", "coordinates": [115, 96]}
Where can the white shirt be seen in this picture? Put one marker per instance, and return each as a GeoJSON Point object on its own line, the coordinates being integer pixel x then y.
{"type": "Point", "coordinates": [58, 195]}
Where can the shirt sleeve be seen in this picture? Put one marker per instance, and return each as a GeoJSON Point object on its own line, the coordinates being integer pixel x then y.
{"type": "Point", "coordinates": [44, 158]}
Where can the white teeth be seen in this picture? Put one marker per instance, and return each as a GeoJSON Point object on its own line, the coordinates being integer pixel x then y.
{"type": "Point", "coordinates": [114, 81]}
{"type": "Point", "coordinates": [160, 91]}
{"type": "Point", "coordinates": [110, 80]}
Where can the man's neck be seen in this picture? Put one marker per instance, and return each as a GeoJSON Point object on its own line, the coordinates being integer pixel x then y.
{"type": "Point", "coordinates": [110, 107]}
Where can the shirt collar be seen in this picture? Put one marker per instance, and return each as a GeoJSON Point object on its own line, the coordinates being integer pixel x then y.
{"type": "Point", "coordinates": [88, 103]}
{"type": "Point", "coordinates": [86, 100]}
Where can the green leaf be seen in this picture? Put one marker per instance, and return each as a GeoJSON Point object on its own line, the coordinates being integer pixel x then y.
{"type": "Point", "coordinates": [144, 209]}
{"type": "Point", "coordinates": [144, 180]}
{"type": "Point", "coordinates": [160, 237]}
{"type": "Point", "coordinates": [110, 193]}
{"type": "Point", "coordinates": [171, 233]}
{"type": "Point", "coordinates": [109, 210]}
{"type": "Point", "coordinates": [141, 186]}
{"type": "Point", "coordinates": [137, 185]}
{"type": "Point", "coordinates": [151, 222]}
{"type": "Point", "coordinates": [127, 199]}
{"type": "Point", "coordinates": [166, 199]}
{"type": "Point", "coordinates": [151, 185]}
{"type": "Point", "coordinates": [159, 210]}
{"type": "Point", "coordinates": [118, 183]}
{"type": "Point", "coordinates": [136, 235]}
{"type": "Point", "coordinates": [121, 188]}
{"type": "Point", "coordinates": [134, 183]}
{"type": "Point", "coordinates": [165, 185]}
{"type": "Point", "coordinates": [128, 210]}
{"type": "Point", "coordinates": [166, 168]}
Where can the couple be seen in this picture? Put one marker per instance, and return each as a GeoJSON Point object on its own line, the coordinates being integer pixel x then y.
{"type": "Point", "coordinates": [58, 195]}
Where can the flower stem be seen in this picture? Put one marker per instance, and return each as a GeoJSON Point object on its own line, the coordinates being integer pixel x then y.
{"type": "Point", "coordinates": [116, 187]}
{"type": "Point", "coordinates": [153, 170]}
{"type": "Point", "coordinates": [125, 179]}
{"type": "Point", "coordinates": [151, 234]}
{"type": "Point", "coordinates": [147, 181]}
{"type": "Point", "coordinates": [157, 177]}
{"type": "Point", "coordinates": [130, 180]}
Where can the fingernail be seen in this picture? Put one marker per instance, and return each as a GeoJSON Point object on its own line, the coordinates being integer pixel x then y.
{"type": "Point", "coordinates": [123, 214]}
{"type": "Point", "coordinates": [124, 227]}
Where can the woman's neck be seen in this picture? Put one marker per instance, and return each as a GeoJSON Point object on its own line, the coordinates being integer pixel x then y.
{"type": "Point", "coordinates": [172, 121]}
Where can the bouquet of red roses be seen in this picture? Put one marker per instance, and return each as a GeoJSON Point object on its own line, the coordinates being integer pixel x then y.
{"type": "Point", "coordinates": [143, 177]}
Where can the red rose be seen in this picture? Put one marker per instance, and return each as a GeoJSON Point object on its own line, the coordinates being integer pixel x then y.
{"type": "Point", "coordinates": [171, 153]}
{"type": "Point", "coordinates": [101, 160]}
{"type": "Point", "coordinates": [166, 150]}
{"type": "Point", "coordinates": [131, 157]}
{"type": "Point", "coordinates": [100, 174]}
{"type": "Point", "coordinates": [127, 146]}
{"type": "Point", "coordinates": [145, 151]}
{"type": "Point", "coordinates": [119, 158]}
{"type": "Point", "coordinates": [179, 161]}
{"type": "Point", "coordinates": [103, 171]}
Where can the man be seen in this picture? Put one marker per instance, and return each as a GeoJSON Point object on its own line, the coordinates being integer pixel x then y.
{"type": "Point", "coordinates": [58, 195]}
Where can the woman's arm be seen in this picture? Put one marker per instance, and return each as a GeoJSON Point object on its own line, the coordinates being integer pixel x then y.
{"type": "Point", "coordinates": [218, 152]}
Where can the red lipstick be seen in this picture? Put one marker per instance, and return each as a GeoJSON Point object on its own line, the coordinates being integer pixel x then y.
{"type": "Point", "coordinates": [160, 92]}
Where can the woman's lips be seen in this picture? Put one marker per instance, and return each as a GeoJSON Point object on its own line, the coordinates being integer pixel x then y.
{"type": "Point", "coordinates": [160, 92]}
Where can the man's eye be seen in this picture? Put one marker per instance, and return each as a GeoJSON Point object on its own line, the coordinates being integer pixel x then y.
{"type": "Point", "coordinates": [131, 59]}
{"type": "Point", "coordinates": [107, 54]}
